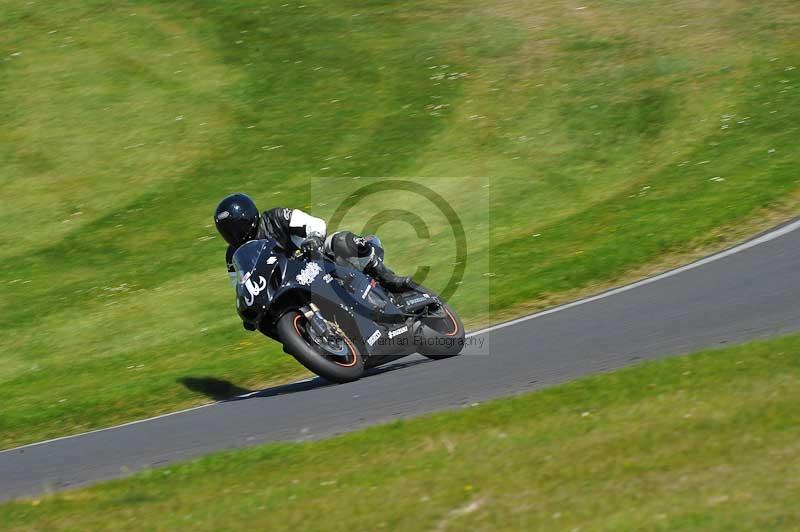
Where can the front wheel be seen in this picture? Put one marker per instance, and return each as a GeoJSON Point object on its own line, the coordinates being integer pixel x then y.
{"type": "Point", "coordinates": [441, 334]}
{"type": "Point", "coordinates": [334, 358]}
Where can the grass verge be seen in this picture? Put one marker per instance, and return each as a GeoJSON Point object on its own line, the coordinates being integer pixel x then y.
{"type": "Point", "coordinates": [707, 441]}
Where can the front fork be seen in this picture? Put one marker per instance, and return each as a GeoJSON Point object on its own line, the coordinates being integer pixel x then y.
{"type": "Point", "coordinates": [315, 319]}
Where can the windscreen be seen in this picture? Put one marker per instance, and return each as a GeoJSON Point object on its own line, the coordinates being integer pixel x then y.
{"type": "Point", "coordinates": [247, 256]}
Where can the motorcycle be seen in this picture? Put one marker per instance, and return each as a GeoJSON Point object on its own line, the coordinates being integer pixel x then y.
{"type": "Point", "coordinates": [333, 318]}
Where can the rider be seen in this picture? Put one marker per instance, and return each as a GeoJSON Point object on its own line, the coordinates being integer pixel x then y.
{"type": "Point", "coordinates": [239, 221]}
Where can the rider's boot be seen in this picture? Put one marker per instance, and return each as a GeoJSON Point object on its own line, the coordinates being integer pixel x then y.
{"type": "Point", "coordinates": [387, 278]}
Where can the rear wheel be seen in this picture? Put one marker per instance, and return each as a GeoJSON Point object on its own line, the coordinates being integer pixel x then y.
{"type": "Point", "coordinates": [335, 358]}
{"type": "Point", "coordinates": [441, 334]}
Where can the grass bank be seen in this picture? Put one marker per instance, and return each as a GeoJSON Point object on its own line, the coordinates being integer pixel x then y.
{"type": "Point", "coordinates": [605, 138]}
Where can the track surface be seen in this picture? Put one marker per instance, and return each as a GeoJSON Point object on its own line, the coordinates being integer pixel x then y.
{"type": "Point", "coordinates": [749, 292]}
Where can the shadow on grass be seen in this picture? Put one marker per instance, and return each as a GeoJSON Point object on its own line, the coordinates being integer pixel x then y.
{"type": "Point", "coordinates": [214, 388]}
{"type": "Point", "coordinates": [222, 390]}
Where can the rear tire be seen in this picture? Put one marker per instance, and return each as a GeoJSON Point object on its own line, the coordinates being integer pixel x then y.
{"type": "Point", "coordinates": [291, 331]}
{"type": "Point", "coordinates": [441, 337]}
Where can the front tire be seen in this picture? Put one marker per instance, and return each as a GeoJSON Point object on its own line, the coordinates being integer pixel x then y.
{"type": "Point", "coordinates": [441, 334]}
{"type": "Point", "coordinates": [298, 342]}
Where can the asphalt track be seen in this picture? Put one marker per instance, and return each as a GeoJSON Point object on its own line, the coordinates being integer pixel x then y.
{"type": "Point", "coordinates": [748, 292]}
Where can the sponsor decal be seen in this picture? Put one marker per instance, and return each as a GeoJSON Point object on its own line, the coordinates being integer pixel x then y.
{"type": "Point", "coordinates": [309, 273]}
{"type": "Point", "coordinates": [272, 260]}
{"type": "Point", "coordinates": [374, 338]}
{"type": "Point", "coordinates": [397, 332]}
{"type": "Point", "coordinates": [223, 215]}
{"type": "Point", "coordinates": [253, 289]}
{"type": "Point", "coordinates": [327, 278]}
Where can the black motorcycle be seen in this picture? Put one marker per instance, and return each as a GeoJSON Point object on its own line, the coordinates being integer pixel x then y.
{"type": "Point", "coordinates": [334, 319]}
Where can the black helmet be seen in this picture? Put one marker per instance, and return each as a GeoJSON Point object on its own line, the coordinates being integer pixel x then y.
{"type": "Point", "coordinates": [237, 218]}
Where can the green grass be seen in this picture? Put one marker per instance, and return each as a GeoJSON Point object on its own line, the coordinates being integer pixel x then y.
{"type": "Point", "coordinates": [599, 130]}
{"type": "Point", "coordinates": [708, 441]}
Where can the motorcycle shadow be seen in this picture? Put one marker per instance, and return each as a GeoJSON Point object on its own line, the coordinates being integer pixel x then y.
{"type": "Point", "coordinates": [394, 366]}
{"type": "Point", "coordinates": [213, 388]}
{"type": "Point", "coordinates": [223, 390]}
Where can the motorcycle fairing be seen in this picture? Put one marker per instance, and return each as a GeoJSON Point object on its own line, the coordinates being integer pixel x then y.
{"type": "Point", "coordinates": [269, 283]}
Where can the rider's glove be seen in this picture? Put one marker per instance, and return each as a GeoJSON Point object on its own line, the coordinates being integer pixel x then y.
{"type": "Point", "coordinates": [312, 247]}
